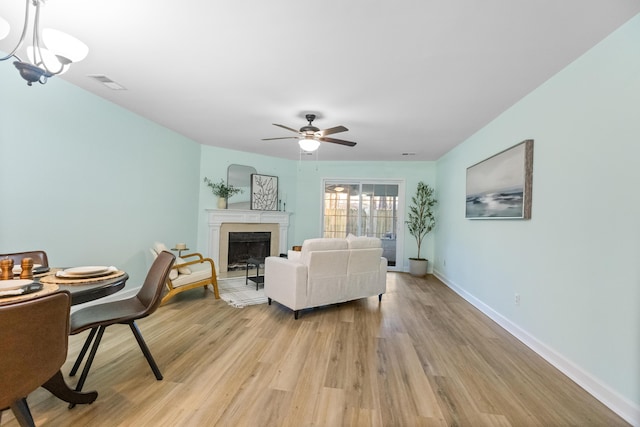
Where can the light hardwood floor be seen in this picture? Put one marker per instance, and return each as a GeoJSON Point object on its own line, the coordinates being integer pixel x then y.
{"type": "Point", "coordinates": [423, 356]}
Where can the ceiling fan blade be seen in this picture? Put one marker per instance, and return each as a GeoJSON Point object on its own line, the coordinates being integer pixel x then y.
{"type": "Point", "coordinates": [281, 137]}
{"type": "Point", "coordinates": [287, 128]}
{"type": "Point", "coordinates": [338, 141]}
{"type": "Point", "coordinates": [330, 131]}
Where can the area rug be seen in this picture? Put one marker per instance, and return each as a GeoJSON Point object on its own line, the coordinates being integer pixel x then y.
{"type": "Point", "coordinates": [238, 294]}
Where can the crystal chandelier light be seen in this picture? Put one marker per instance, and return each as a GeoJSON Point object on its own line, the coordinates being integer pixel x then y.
{"type": "Point", "coordinates": [50, 53]}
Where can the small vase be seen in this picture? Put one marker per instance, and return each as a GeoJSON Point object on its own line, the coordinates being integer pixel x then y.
{"type": "Point", "coordinates": [222, 203]}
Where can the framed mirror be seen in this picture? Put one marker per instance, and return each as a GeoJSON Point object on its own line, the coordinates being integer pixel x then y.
{"type": "Point", "coordinates": [240, 176]}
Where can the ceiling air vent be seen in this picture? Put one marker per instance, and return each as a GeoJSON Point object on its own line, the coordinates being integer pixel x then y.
{"type": "Point", "coordinates": [107, 82]}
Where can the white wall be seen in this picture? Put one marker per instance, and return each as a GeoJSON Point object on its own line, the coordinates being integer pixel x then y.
{"type": "Point", "coordinates": [576, 263]}
{"type": "Point", "coordinates": [89, 182]}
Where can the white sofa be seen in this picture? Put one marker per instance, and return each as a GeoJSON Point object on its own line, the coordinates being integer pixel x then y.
{"type": "Point", "coordinates": [327, 271]}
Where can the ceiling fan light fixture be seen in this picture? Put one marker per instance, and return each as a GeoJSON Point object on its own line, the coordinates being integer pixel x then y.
{"type": "Point", "coordinates": [309, 136]}
{"type": "Point", "coordinates": [309, 144]}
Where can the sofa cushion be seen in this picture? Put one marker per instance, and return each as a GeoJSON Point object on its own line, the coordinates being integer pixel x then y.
{"type": "Point", "coordinates": [363, 242]}
{"type": "Point", "coordinates": [327, 275]}
{"type": "Point", "coordinates": [321, 244]}
{"type": "Point", "coordinates": [364, 260]}
{"type": "Point", "coordinates": [182, 270]}
{"type": "Point", "coordinates": [200, 271]}
{"type": "Point", "coordinates": [159, 247]}
{"type": "Point", "coordinates": [294, 255]}
{"type": "Point", "coordinates": [324, 244]}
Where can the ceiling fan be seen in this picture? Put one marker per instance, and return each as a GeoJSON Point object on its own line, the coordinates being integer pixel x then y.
{"type": "Point", "coordinates": [309, 136]}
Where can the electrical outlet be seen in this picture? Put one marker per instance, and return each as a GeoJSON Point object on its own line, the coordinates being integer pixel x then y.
{"type": "Point", "coordinates": [516, 298]}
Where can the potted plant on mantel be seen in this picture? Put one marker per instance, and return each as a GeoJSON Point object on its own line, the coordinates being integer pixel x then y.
{"type": "Point", "coordinates": [421, 221]}
{"type": "Point", "coordinates": [222, 190]}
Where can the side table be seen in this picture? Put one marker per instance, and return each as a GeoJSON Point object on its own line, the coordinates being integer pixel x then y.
{"type": "Point", "coordinates": [257, 279]}
{"type": "Point", "coordinates": [180, 250]}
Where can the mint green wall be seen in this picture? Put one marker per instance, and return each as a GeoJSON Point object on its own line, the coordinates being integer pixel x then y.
{"type": "Point", "coordinates": [214, 162]}
{"type": "Point", "coordinates": [575, 263]}
{"type": "Point", "coordinates": [94, 184]}
{"type": "Point", "coordinates": [309, 190]}
{"type": "Point", "coordinates": [301, 183]}
{"type": "Point", "coordinates": [87, 181]}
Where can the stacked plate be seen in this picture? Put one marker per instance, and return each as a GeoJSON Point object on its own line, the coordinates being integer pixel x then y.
{"type": "Point", "coordinates": [37, 269]}
{"type": "Point", "coordinates": [7, 285]}
{"type": "Point", "coordinates": [9, 288]}
{"type": "Point", "coordinates": [86, 272]}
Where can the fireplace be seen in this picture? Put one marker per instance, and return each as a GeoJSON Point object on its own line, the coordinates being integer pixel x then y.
{"type": "Point", "coordinates": [244, 245]}
{"type": "Point", "coordinates": [221, 222]}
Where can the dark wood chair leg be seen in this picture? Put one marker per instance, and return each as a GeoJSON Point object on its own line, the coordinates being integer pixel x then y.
{"type": "Point", "coordinates": [380, 298]}
{"type": "Point", "coordinates": [145, 350]}
{"type": "Point", "coordinates": [83, 352]}
{"type": "Point", "coordinates": [22, 413]}
{"type": "Point", "coordinates": [89, 362]}
{"type": "Point", "coordinates": [269, 301]}
{"type": "Point", "coordinates": [57, 386]}
{"type": "Point", "coordinates": [295, 314]}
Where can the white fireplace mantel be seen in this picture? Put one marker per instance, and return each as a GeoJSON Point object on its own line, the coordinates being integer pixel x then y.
{"type": "Point", "coordinates": [217, 217]}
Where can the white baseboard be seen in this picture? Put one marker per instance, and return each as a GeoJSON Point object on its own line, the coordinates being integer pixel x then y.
{"type": "Point", "coordinates": [613, 400]}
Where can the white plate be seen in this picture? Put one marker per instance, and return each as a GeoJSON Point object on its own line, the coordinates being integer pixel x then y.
{"type": "Point", "coordinates": [6, 285]}
{"type": "Point", "coordinates": [86, 271]}
{"type": "Point", "coordinates": [17, 269]}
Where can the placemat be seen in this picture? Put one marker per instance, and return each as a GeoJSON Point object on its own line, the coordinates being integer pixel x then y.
{"type": "Point", "coordinates": [46, 289]}
{"type": "Point", "coordinates": [52, 278]}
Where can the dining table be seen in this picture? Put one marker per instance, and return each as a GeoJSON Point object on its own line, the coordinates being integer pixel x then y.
{"type": "Point", "coordinates": [82, 291]}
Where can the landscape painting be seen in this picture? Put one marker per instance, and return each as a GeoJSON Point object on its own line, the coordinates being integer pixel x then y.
{"type": "Point", "coordinates": [500, 186]}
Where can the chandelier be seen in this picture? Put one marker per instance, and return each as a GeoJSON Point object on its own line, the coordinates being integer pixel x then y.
{"type": "Point", "coordinates": [50, 53]}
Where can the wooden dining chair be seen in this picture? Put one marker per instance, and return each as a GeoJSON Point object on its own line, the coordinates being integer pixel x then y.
{"type": "Point", "coordinates": [98, 317]}
{"type": "Point", "coordinates": [34, 334]}
{"type": "Point", "coordinates": [39, 257]}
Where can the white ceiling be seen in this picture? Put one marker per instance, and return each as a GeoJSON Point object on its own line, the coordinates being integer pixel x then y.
{"type": "Point", "coordinates": [416, 76]}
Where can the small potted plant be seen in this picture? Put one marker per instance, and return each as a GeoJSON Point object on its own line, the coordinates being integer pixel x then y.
{"type": "Point", "coordinates": [222, 190]}
{"type": "Point", "coordinates": [421, 221]}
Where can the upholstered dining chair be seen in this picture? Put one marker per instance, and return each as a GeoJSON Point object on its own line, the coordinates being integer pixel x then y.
{"type": "Point", "coordinates": [39, 257]}
{"type": "Point", "coordinates": [196, 272]}
{"type": "Point", "coordinates": [100, 316]}
{"type": "Point", "coordinates": [34, 334]}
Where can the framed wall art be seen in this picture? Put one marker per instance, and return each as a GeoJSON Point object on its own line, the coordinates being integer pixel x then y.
{"type": "Point", "coordinates": [500, 187]}
{"type": "Point", "coordinates": [264, 192]}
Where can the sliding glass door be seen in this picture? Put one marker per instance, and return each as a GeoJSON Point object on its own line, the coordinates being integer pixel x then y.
{"type": "Point", "coordinates": [364, 208]}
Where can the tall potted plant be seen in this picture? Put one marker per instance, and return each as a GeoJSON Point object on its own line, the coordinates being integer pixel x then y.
{"type": "Point", "coordinates": [222, 190]}
{"type": "Point", "coordinates": [421, 221]}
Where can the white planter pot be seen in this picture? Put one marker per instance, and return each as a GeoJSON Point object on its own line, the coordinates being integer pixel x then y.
{"type": "Point", "coordinates": [418, 267]}
{"type": "Point", "coordinates": [222, 203]}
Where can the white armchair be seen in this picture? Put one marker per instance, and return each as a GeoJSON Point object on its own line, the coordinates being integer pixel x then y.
{"type": "Point", "coordinates": [189, 272]}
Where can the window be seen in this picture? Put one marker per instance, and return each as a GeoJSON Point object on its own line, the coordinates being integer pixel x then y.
{"type": "Point", "coordinates": [363, 208]}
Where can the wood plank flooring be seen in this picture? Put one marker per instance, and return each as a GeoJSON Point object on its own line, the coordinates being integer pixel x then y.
{"type": "Point", "coordinates": [422, 357]}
